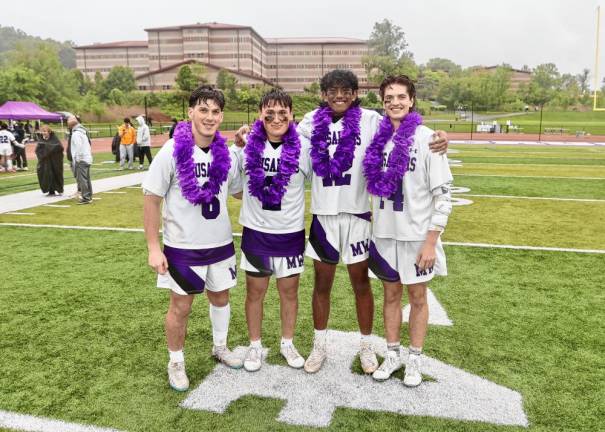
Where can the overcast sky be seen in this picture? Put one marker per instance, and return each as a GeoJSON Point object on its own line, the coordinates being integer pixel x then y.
{"type": "Point", "coordinates": [469, 32]}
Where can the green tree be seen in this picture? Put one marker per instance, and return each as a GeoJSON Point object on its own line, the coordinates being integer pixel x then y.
{"type": "Point", "coordinates": [58, 89]}
{"type": "Point", "coordinates": [119, 77]}
{"type": "Point", "coordinates": [19, 83]}
{"type": "Point", "coordinates": [84, 83]}
{"type": "Point", "coordinates": [227, 82]}
{"type": "Point", "coordinates": [190, 77]}
{"type": "Point", "coordinates": [388, 39]}
{"type": "Point", "coordinates": [444, 65]}
{"type": "Point", "coordinates": [544, 84]}
{"type": "Point", "coordinates": [388, 54]}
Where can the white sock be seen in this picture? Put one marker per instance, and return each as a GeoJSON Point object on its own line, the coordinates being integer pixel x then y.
{"type": "Point", "coordinates": [286, 342]}
{"type": "Point", "coordinates": [320, 335]}
{"type": "Point", "coordinates": [256, 344]}
{"type": "Point", "coordinates": [9, 164]}
{"type": "Point", "coordinates": [415, 350]}
{"type": "Point", "coordinates": [219, 317]}
{"type": "Point", "coordinates": [176, 356]}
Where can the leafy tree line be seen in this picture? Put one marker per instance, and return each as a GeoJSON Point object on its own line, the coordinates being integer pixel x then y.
{"type": "Point", "coordinates": [443, 81]}
{"type": "Point", "coordinates": [34, 70]}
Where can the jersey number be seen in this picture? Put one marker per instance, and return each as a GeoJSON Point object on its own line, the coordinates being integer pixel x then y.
{"type": "Point", "coordinates": [212, 209]}
{"type": "Point", "coordinates": [396, 197]}
{"type": "Point", "coordinates": [3, 139]}
{"type": "Point", "coordinates": [271, 207]}
{"type": "Point", "coordinates": [345, 180]}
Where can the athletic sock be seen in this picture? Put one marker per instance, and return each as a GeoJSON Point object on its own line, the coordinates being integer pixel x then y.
{"type": "Point", "coordinates": [256, 344]}
{"type": "Point", "coordinates": [285, 342]}
{"type": "Point", "coordinates": [320, 335]}
{"type": "Point", "coordinates": [176, 356]}
{"type": "Point", "coordinates": [219, 317]}
{"type": "Point", "coordinates": [365, 338]}
{"type": "Point", "coordinates": [395, 347]}
{"type": "Point", "coordinates": [415, 350]}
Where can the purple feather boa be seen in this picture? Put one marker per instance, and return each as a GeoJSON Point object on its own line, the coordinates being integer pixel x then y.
{"type": "Point", "coordinates": [184, 144]}
{"type": "Point", "coordinates": [288, 164]}
{"type": "Point", "coordinates": [384, 183]}
{"type": "Point", "coordinates": [342, 160]}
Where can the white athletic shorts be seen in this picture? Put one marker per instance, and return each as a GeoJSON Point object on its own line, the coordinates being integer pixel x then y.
{"type": "Point", "coordinates": [279, 266]}
{"type": "Point", "coordinates": [344, 236]}
{"type": "Point", "coordinates": [195, 279]}
{"type": "Point", "coordinates": [393, 260]}
{"type": "Point", "coordinates": [6, 150]}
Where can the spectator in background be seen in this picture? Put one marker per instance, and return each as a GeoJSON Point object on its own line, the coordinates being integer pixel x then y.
{"type": "Point", "coordinates": [7, 139]}
{"type": "Point", "coordinates": [81, 155]}
{"type": "Point", "coordinates": [143, 141]}
{"type": "Point", "coordinates": [171, 132]}
{"type": "Point", "coordinates": [128, 136]}
{"type": "Point", "coordinates": [19, 148]}
{"type": "Point", "coordinates": [49, 152]}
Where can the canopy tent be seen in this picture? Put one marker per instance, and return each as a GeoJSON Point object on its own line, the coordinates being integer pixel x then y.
{"type": "Point", "coordinates": [13, 110]}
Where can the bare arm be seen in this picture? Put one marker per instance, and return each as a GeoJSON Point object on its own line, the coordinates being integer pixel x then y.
{"type": "Point", "coordinates": [151, 221]}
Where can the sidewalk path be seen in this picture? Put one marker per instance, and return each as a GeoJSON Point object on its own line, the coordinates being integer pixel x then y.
{"type": "Point", "coordinates": [24, 200]}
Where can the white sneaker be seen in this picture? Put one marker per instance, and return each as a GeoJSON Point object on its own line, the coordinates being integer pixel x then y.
{"type": "Point", "coordinates": [294, 359]}
{"type": "Point", "coordinates": [225, 356]}
{"type": "Point", "coordinates": [177, 377]}
{"type": "Point", "coordinates": [317, 357]}
{"type": "Point", "coordinates": [392, 362]}
{"type": "Point", "coordinates": [25, 169]}
{"type": "Point", "coordinates": [254, 359]}
{"type": "Point", "coordinates": [140, 167]}
{"type": "Point", "coordinates": [369, 362]}
{"type": "Point", "coordinates": [413, 377]}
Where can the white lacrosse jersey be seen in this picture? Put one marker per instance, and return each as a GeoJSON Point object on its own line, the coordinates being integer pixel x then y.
{"type": "Point", "coordinates": [289, 215]}
{"type": "Point", "coordinates": [406, 214]}
{"type": "Point", "coordinates": [188, 226]}
{"type": "Point", "coordinates": [6, 138]}
{"type": "Point", "coordinates": [347, 194]}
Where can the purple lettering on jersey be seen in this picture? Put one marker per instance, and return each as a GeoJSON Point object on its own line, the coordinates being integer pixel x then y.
{"type": "Point", "coordinates": [198, 257]}
{"type": "Point", "coordinates": [272, 245]}
{"type": "Point", "coordinates": [380, 267]}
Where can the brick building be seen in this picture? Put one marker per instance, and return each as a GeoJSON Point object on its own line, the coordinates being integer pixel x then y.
{"type": "Point", "coordinates": [290, 63]}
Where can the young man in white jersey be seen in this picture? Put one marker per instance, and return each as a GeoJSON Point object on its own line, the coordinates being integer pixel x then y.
{"type": "Point", "coordinates": [410, 187]}
{"type": "Point", "coordinates": [193, 173]}
{"type": "Point", "coordinates": [274, 164]}
{"type": "Point", "coordinates": [6, 149]}
{"type": "Point", "coordinates": [339, 132]}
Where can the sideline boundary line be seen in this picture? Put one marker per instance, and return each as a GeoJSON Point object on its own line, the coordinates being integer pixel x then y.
{"type": "Point", "coordinates": [518, 176]}
{"type": "Point", "coordinates": [25, 422]}
{"type": "Point", "coordinates": [235, 234]}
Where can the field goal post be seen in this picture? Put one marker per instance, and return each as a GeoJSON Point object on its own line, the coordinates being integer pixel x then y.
{"type": "Point", "coordinates": [596, 64]}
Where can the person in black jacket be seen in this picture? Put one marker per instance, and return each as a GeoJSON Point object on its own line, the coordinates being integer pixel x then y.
{"type": "Point", "coordinates": [49, 152]}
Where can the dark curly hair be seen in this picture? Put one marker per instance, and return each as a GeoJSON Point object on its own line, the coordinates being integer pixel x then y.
{"type": "Point", "coordinates": [205, 93]}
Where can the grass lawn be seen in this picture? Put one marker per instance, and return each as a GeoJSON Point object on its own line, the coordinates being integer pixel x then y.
{"type": "Point", "coordinates": [82, 324]}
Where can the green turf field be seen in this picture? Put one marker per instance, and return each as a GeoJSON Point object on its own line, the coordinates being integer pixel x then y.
{"type": "Point", "coordinates": [82, 325]}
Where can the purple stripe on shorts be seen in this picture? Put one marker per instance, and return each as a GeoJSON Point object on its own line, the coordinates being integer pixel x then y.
{"type": "Point", "coordinates": [187, 279]}
{"type": "Point", "coordinates": [319, 241]}
{"type": "Point", "coordinates": [198, 257]}
{"type": "Point", "coordinates": [380, 267]}
{"type": "Point", "coordinates": [273, 245]}
{"type": "Point", "coordinates": [365, 216]}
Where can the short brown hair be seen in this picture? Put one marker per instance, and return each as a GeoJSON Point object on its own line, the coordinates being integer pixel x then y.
{"type": "Point", "coordinates": [403, 80]}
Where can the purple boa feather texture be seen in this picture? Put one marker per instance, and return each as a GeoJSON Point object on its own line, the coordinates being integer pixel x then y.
{"type": "Point", "coordinates": [288, 164]}
{"type": "Point", "coordinates": [384, 183]}
{"type": "Point", "coordinates": [184, 144]}
{"type": "Point", "coordinates": [342, 160]}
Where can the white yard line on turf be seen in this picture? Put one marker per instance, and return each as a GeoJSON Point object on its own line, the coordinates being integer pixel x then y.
{"type": "Point", "coordinates": [56, 205]}
{"type": "Point", "coordinates": [23, 422]}
{"type": "Point", "coordinates": [523, 164]}
{"type": "Point", "coordinates": [532, 198]}
{"type": "Point", "coordinates": [522, 176]}
{"type": "Point", "coordinates": [24, 200]}
{"type": "Point", "coordinates": [236, 234]}
{"type": "Point", "coordinates": [530, 143]}
{"type": "Point", "coordinates": [20, 214]}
